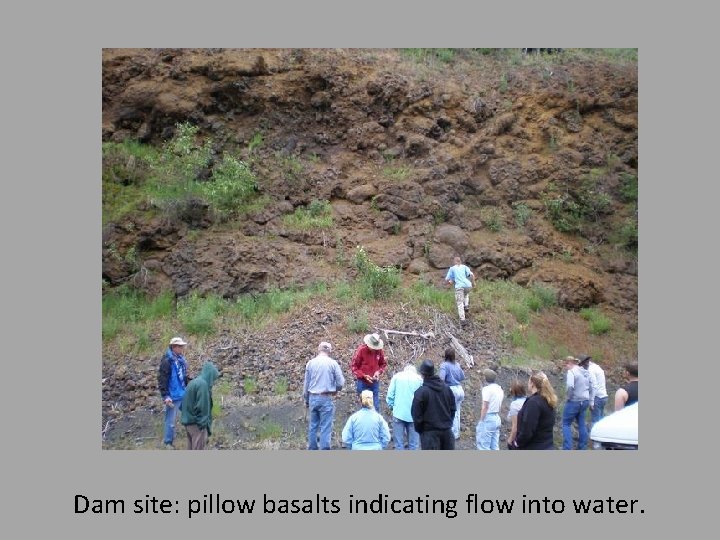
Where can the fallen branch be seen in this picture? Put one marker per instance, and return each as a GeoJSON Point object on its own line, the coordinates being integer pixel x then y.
{"type": "Point", "coordinates": [461, 351]}
{"type": "Point", "coordinates": [428, 335]}
{"type": "Point", "coordinates": [104, 431]}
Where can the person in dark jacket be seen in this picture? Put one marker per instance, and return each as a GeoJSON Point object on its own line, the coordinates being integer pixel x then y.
{"type": "Point", "coordinates": [433, 410]}
{"type": "Point", "coordinates": [172, 380]}
{"type": "Point", "coordinates": [537, 416]}
{"type": "Point", "coordinates": [197, 407]}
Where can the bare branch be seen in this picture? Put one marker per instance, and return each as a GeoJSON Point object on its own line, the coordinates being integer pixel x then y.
{"type": "Point", "coordinates": [427, 335]}
{"type": "Point", "coordinates": [461, 351]}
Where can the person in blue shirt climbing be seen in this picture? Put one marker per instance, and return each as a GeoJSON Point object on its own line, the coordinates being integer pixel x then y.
{"type": "Point", "coordinates": [463, 279]}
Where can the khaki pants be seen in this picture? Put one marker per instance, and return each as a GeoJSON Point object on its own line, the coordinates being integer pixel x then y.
{"type": "Point", "coordinates": [462, 299]}
{"type": "Point", "coordinates": [197, 437]}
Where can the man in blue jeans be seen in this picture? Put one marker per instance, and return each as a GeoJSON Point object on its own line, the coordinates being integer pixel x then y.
{"type": "Point", "coordinates": [323, 379]}
{"type": "Point", "coordinates": [487, 431]}
{"type": "Point", "coordinates": [599, 388]}
{"type": "Point", "coordinates": [172, 380]}
{"type": "Point", "coordinates": [579, 394]}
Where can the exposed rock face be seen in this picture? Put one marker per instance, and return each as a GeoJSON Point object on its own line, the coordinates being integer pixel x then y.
{"type": "Point", "coordinates": [408, 165]}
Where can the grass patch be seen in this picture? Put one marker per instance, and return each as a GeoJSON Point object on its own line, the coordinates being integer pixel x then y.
{"type": "Point", "coordinates": [492, 218]}
{"type": "Point", "coordinates": [259, 308]}
{"type": "Point", "coordinates": [532, 344]}
{"type": "Point", "coordinates": [397, 173]}
{"type": "Point", "coordinates": [422, 293]}
{"type": "Point", "coordinates": [520, 311]}
{"type": "Point", "coordinates": [281, 386]}
{"type": "Point", "coordinates": [125, 305]}
{"type": "Point", "coordinates": [199, 313]}
{"type": "Point", "coordinates": [316, 215]}
{"type": "Point", "coordinates": [221, 389]}
{"type": "Point", "coordinates": [250, 385]}
{"type": "Point", "coordinates": [269, 429]}
{"type": "Point", "coordinates": [430, 56]}
{"type": "Point", "coordinates": [598, 323]}
{"type": "Point", "coordinates": [357, 321]}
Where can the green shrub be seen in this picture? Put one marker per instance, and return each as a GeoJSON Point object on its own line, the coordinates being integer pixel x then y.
{"type": "Point", "coordinates": [440, 216]}
{"type": "Point", "coordinates": [564, 213]}
{"type": "Point", "coordinates": [375, 281]}
{"type": "Point", "coordinates": [492, 218]}
{"type": "Point", "coordinates": [231, 185]}
{"type": "Point", "coordinates": [357, 321]}
{"type": "Point", "coordinates": [598, 323]}
{"type": "Point", "coordinates": [521, 312]}
{"type": "Point", "coordinates": [182, 158]}
{"type": "Point", "coordinates": [542, 297]}
{"type": "Point", "coordinates": [626, 235]}
{"type": "Point", "coordinates": [522, 214]}
{"type": "Point", "coordinates": [628, 187]}
{"type": "Point", "coordinates": [503, 86]}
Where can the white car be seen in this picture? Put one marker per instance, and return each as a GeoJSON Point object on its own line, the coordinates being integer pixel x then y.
{"type": "Point", "coordinates": [617, 431]}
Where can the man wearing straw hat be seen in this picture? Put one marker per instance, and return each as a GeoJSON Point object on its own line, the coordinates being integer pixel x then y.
{"type": "Point", "coordinates": [368, 364]}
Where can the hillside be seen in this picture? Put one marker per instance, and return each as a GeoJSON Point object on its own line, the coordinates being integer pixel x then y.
{"type": "Point", "coordinates": [238, 185]}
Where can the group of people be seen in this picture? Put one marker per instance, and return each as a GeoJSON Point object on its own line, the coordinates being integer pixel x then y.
{"type": "Point", "coordinates": [426, 403]}
{"type": "Point", "coordinates": [192, 398]}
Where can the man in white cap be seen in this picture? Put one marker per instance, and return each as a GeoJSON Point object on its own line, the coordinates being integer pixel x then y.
{"type": "Point", "coordinates": [172, 380]}
{"type": "Point", "coordinates": [368, 364]}
{"type": "Point", "coordinates": [323, 379]}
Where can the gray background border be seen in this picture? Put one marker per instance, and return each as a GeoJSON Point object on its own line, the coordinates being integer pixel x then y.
{"type": "Point", "coordinates": [52, 280]}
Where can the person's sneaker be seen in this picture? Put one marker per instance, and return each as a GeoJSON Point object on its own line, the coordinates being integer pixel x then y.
{"type": "Point", "coordinates": [169, 446]}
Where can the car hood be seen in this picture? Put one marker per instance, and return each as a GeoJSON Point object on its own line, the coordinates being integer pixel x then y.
{"type": "Point", "coordinates": [619, 427]}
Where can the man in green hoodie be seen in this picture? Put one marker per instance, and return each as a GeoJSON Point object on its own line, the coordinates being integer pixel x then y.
{"type": "Point", "coordinates": [197, 407]}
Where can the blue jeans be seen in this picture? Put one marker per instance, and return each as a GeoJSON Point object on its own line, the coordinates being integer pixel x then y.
{"type": "Point", "coordinates": [322, 412]}
{"type": "Point", "coordinates": [171, 415]}
{"type": "Point", "coordinates": [361, 385]}
{"type": "Point", "coordinates": [599, 409]}
{"type": "Point", "coordinates": [401, 429]}
{"type": "Point", "coordinates": [459, 394]}
{"type": "Point", "coordinates": [574, 411]}
{"type": "Point", "coordinates": [487, 433]}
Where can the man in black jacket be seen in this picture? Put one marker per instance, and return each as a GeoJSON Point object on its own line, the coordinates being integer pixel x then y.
{"type": "Point", "coordinates": [433, 410]}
